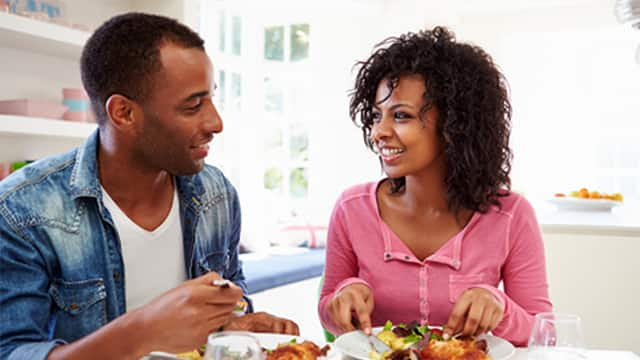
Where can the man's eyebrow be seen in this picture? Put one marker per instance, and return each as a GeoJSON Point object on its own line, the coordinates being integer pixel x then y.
{"type": "Point", "coordinates": [196, 95]}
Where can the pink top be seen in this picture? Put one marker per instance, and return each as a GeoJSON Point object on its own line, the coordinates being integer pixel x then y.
{"type": "Point", "coordinates": [501, 245]}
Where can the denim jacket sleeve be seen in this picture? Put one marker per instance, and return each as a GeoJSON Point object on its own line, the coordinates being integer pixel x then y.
{"type": "Point", "coordinates": [235, 265]}
{"type": "Point", "coordinates": [24, 286]}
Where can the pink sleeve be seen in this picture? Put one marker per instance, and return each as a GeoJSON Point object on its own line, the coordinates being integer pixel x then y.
{"type": "Point", "coordinates": [524, 274]}
{"type": "Point", "coordinates": [341, 265]}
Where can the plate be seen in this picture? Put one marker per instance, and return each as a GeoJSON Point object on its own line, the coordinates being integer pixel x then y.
{"type": "Point", "coordinates": [355, 345]}
{"type": "Point", "coordinates": [576, 204]}
{"type": "Point", "coordinates": [266, 340]}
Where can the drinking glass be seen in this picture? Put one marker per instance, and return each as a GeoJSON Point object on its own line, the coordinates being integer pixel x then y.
{"type": "Point", "coordinates": [233, 345]}
{"type": "Point", "coordinates": [557, 336]}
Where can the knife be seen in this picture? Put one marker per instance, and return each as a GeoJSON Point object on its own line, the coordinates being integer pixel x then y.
{"type": "Point", "coordinates": [376, 344]}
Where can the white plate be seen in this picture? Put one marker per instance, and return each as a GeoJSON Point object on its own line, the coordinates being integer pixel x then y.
{"type": "Point", "coordinates": [266, 340]}
{"type": "Point", "coordinates": [355, 345]}
{"type": "Point", "coordinates": [571, 203]}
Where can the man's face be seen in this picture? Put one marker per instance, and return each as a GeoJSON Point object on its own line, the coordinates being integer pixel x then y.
{"type": "Point", "coordinates": [179, 116]}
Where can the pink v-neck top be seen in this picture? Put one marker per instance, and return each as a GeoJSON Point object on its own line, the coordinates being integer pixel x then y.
{"type": "Point", "coordinates": [501, 245]}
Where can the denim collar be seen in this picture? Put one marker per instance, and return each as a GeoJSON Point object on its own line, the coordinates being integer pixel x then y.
{"type": "Point", "coordinates": [84, 180]}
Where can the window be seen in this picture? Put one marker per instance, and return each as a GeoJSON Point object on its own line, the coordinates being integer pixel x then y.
{"type": "Point", "coordinates": [237, 35]}
{"type": "Point", "coordinates": [285, 117]}
{"type": "Point", "coordinates": [299, 36]}
{"type": "Point", "coordinates": [274, 43]}
{"type": "Point", "coordinates": [273, 97]}
{"type": "Point", "coordinates": [575, 99]}
{"type": "Point", "coordinates": [222, 89]}
{"type": "Point", "coordinates": [236, 91]}
{"type": "Point", "coordinates": [222, 25]}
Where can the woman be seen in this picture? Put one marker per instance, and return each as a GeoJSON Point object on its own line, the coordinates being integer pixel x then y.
{"type": "Point", "coordinates": [434, 239]}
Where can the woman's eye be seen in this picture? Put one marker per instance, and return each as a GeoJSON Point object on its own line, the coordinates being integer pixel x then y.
{"type": "Point", "coordinates": [376, 117]}
{"type": "Point", "coordinates": [401, 115]}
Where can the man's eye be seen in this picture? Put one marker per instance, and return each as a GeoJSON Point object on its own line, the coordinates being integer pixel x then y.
{"type": "Point", "coordinates": [195, 106]}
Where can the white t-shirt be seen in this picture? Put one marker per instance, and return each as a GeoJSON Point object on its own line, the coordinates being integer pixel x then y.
{"type": "Point", "coordinates": [153, 260]}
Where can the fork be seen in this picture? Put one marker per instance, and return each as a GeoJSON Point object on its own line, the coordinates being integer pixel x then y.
{"type": "Point", "coordinates": [376, 344]}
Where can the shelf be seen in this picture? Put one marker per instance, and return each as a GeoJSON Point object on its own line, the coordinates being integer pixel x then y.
{"type": "Point", "coordinates": [47, 38]}
{"type": "Point", "coordinates": [24, 125]}
{"type": "Point", "coordinates": [27, 138]}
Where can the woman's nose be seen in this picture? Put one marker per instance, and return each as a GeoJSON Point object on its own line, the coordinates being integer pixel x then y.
{"type": "Point", "coordinates": [380, 130]}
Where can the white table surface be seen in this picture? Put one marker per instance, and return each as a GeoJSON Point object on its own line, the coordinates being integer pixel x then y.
{"type": "Point", "coordinates": [521, 354]}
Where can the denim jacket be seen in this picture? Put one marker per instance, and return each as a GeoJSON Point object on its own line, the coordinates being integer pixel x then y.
{"type": "Point", "coordinates": [61, 267]}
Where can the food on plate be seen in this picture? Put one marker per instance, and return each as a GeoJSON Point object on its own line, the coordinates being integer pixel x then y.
{"type": "Point", "coordinates": [584, 193]}
{"type": "Point", "coordinates": [191, 355]}
{"type": "Point", "coordinates": [415, 342]}
{"type": "Point", "coordinates": [307, 350]}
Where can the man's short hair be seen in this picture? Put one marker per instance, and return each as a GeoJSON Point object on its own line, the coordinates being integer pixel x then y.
{"type": "Point", "coordinates": [123, 55]}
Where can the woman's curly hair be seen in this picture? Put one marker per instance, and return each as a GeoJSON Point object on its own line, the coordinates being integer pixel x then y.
{"type": "Point", "coordinates": [471, 96]}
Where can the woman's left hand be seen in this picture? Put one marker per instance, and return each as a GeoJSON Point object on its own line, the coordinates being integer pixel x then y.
{"type": "Point", "coordinates": [262, 322]}
{"type": "Point", "coordinates": [476, 312]}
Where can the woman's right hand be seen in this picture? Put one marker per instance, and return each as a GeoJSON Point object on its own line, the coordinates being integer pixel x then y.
{"type": "Point", "coordinates": [351, 308]}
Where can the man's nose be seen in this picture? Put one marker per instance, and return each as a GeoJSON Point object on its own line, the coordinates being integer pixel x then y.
{"type": "Point", "coordinates": [213, 121]}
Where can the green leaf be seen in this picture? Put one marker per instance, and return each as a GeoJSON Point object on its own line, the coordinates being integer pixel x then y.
{"type": "Point", "coordinates": [412, 339]}
{"type": "Point", "coordinates": [422, 329]}
{"type": "Point", "coordinates": [293, 341]}
{"type": "Point", "coordinates": [388, 325]}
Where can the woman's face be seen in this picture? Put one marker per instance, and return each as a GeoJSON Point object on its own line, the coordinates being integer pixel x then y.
{"type": "Point", "coordinates": [406, 141]}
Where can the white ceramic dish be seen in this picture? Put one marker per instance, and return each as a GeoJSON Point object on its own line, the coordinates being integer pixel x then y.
{"type": "Point", "coordinates": [576, 204]}
{"type": "Point", "coordinates": [354, 345]}
{"type": "Point", "coordinates": [266, 340]}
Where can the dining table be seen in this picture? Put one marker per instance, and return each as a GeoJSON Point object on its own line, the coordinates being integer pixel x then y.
{"type": "Point", "coordinates": [522, 354]}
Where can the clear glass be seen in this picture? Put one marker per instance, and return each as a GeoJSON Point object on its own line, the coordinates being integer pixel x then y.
{"type": "Point", "coordinates": [233, 345]}
{"type": "Point", "coordinates": [557, 336]}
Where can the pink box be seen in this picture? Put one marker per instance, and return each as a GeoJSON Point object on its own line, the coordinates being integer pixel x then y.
{"type": "Point", "coordinates": [5, 170]}
{"type": "Point", "coordinates": [77, 116]}
{"type": "Point", "coordinates": [71, 93]}
{"type": "Point", "coordinates": [34, 108]}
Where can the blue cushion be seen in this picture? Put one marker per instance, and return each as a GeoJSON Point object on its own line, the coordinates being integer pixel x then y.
{"type": "Point", "coordinates": [277, 270]}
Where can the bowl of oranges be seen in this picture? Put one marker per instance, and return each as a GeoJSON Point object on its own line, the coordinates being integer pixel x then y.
{"type": "Point", "coordinates": [586, 200]}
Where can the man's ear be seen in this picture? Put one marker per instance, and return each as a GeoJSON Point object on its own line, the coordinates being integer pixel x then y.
{"type": "Point", "coordinates": [120, 111]}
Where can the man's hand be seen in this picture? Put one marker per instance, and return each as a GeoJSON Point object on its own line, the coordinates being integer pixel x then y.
{"type": "Point", "coordinates": [476, 311]}
{"type": "Point", "coordinates": [262, 322]}
{"type": "Point", "coordinates": [351, 307]}
{"type": "Point", "coordinates": [181, 318]}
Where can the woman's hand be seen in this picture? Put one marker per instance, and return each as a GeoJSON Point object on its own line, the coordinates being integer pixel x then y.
{"type": "Point", "coordinates": [262, 322]}
{"type": "Point", "coordinates": [351, 308]}
{"type": "Point", "coordinates": [476, 312]}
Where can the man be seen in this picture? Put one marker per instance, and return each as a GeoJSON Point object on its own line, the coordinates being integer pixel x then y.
{"type": "Point", "coordinates": [96, 244]}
